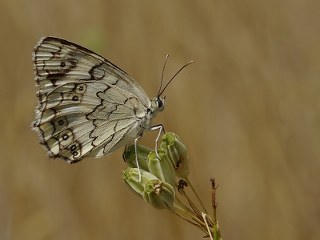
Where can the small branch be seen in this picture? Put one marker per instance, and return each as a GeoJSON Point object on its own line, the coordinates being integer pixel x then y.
{"type": "Point", "coordinates": [191, 204]}
{"type": "Point", "coordinates": [204, 216]}
{"type": "Point", "coordinates": [213, 200]}
{"type": "Point", "coordinates": [197, 196]}
{"type": "Point", "coordinates": [216, 231]}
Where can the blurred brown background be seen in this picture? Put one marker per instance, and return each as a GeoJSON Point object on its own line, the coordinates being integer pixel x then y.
{"type": "Point", "coordinates": [248, 110]}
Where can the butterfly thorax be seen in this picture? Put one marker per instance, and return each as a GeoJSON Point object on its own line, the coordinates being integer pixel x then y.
{"type": "Point", "coordinates": [156, 105]}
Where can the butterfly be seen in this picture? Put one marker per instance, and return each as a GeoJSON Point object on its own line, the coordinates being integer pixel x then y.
{"type": "Point", "coordinates": [87, 106]}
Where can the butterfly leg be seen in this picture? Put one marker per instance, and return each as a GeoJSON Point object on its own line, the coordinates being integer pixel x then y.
{"type": "Point", "coordinates": [161, 129]}
{"type": "Point", "coordinates": [136, 153]}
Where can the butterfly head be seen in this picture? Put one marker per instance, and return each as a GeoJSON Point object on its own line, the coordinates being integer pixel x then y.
{"type": "Point", "coordinates": [160, 101]}
{"type": "Point", "coordinates": [157, 104]}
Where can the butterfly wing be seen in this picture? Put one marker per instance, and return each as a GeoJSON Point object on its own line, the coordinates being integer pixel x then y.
{"type": "Point", "coordinates": [87, 105]}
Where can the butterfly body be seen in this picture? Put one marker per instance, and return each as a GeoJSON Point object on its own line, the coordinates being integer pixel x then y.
{"type": "Point", "coordinates": [87, 105]}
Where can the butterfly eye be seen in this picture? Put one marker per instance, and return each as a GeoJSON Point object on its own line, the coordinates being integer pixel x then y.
{"type": "Point", "coordinates": [160, 103]}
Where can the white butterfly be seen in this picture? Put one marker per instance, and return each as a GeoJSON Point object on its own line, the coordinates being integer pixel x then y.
{"type": "Point", "coordinates": [87, 105]}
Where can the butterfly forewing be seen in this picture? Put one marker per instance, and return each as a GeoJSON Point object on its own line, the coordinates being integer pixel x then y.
{"type": "Point", "coordinates": [87, 105]}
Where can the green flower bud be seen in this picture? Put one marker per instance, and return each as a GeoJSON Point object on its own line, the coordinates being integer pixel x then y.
{"type": "Point", "coordinates": [129, 156]}
{"type": "Point", "coordinates": [161, 167]}
{"type": "Point", "coordinates": [154, 191]}
{"type": "Point", "coordinates": [177, 152]}
{"type": "Point", "coordinates": [131, 177]}
{"type": "Point", "coordinates": [159, 194]}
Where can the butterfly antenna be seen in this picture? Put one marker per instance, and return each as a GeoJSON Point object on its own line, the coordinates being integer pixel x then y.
{"type": "Point", "coordinates": [164, 67]}
{"type": "Point", "coordinates": [184, 66]}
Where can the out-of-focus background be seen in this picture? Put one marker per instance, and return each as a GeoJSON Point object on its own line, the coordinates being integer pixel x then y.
{"type": "Point", "coordinates": [248, 110]}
